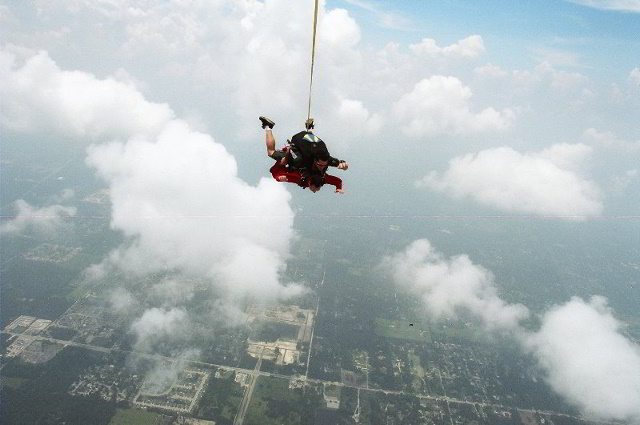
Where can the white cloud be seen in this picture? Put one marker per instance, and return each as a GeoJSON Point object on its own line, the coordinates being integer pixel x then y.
{"type": "Point", "coordinates": [545, 182]}
{"type": "Point", "coordinates": [39, 97]}
{"type": "Point", "coordinates": [175, 192]}
{"type": "Point", "coordinates": [619, 5]}
{"type": "Point", "coordinates": [121, 300]}
{"type": "Point", "coordinates": [165, 373]}
{"type": "Point", "coordinates": [468, 48]}
{"type": "Point", "coordinates": [180, 30]}
{"type": "Point", "coordinates": [173, 292]}
{"type": "Point", "coordinates": [578, 346]}
{"type": "Point", "coordinates": [233, 315]}
{"type": "Point", "coordinates": [271, 72]}
{"type": "Point", "coordinates": [95, 273]}
{"type": "Point", "coordinates": [338, 29]}
{"type": "Point", "coordinates": [157, 326]}
{"type": "Point", "coordinates": [179, 199]}
{"type": "Point", "coordinates": [251, 57]}
{"type": "Point", "coordinates": [441, 105]}
{"type": "Point", "coordinates": [357, 118]}
{"type": "Point", "coordinates": [449, 287]}
{"type": "Point", "coordinates": [255, 59]}
{"type": "Point", "coordinates": [46, 220]}
{"type": "Point", "coordinates": [545, 75]}
{"type": "Point", "coordinates": [492, 71]}
{"type": "Point", "coordinates": [608, 140]}
{"type": "Point", "coordinates": [588, 361]}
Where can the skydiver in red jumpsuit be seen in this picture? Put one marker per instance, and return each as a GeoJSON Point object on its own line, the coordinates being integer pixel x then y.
{"type": "Point", "coordinates": [312, 177]}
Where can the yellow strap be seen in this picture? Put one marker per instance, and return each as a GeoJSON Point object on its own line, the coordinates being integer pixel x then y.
{"type": "Point", "coordinates": [313, 52]}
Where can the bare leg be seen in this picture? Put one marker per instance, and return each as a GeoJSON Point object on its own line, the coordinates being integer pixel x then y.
{"type": "Point", "coordinates": [271, 142]}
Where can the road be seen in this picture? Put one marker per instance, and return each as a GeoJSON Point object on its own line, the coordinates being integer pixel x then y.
{"type": "Point", "coordinates": [248, 393]}
{"type": "Point", "coordinates": [256, 373]}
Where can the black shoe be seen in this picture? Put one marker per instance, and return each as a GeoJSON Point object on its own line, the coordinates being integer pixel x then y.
{"type": "Point", "coordinates": [266, 122]}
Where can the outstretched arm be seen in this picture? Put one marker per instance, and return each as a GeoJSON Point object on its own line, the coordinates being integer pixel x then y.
{"type": "Point", "coordinates": [340, 164]}
{"type": "Point", "coordinates": [335, 181]}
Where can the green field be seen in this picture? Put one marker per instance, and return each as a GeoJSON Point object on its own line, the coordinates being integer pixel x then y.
{"type": "Point", "coordinates": [271, 331]}
{"type": "Point", "coordinates": [269, 390]}
{"type": "Point", "coordinates": [274, 403]}
{"type": "Point", "coordinates": [402, 330]}
{"type": "Point", "coordinates": [459, 335]}
{"type": "Point", "coordinates": [221, 399]}
{"type": "Point", "coordinates": [78, 292]}
{"type": "Point", "coordinates": [134, 417]}
{"type": "Point", "coordinates": [12, 382]}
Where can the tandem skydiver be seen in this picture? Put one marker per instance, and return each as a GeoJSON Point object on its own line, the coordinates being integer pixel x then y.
{"type": "Point", "coordinates": [304, 160]}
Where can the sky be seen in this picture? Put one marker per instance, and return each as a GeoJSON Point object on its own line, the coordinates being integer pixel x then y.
{"type": "Point", "coordinates": [440, 107]}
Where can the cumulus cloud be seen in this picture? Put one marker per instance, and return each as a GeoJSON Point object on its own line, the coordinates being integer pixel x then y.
{"type": "Point", "coordinates": [588, 361]}
{"type": "Point", "coordinates": [40, 97]}
{"type": "Point", "coordinates": [179, 30]}
{"type": "Point", "coordinates": [468, 48]}
{"type": "Point", "coordinates": [545, 74]}
{"type": "Point", "coordinates": [450, 286]}
{"type": "Point", "coordinates": [608, 140]}
{"type": "Point", "coordinates": [545, 182]}
{"type": "Point", "coordinates": [272, 71]}
{"type": "Point", "coordinates": [491, 71]}
{"type": "Point", "coordinates": [173, 291]}
{"type": "Point", "coordinates": [175, 192]}
{"type": "Point", "coordinates": [353, 114]}
{"type": "Point", "coordinates": [251, 45]}
{"type": "Point", "coordinates": [160, 326]}
{"type": "Point", "coordinates": [578, 346]}
{"type": "Point", "coordinates": [46, 220]}
{"type": "Point", "coordinates": [165, 373]}
{"type": "Point", "coordinates": [180, 201]}
{"type": "Point", "coordinates": [338, 29]}
{"type": "Point", "coordinates": [441, 105]}
{"type": "Point", "coordinates": [230, 313]}
{"type": "Point", "coordinates": [121, 300]}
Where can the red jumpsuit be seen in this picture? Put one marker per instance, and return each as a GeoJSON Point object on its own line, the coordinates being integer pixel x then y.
{"type": "Point", "coordinates": [279, 170]}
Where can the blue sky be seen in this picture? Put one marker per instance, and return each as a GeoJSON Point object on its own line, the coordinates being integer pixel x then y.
{"type": "Point", "coordinates": [604, 41]}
